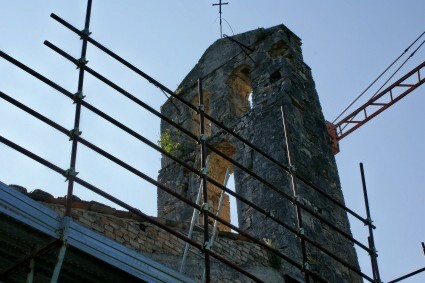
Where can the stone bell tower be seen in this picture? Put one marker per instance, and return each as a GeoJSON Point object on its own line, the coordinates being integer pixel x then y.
{"type": "Point", "coordinates": [247, 82]}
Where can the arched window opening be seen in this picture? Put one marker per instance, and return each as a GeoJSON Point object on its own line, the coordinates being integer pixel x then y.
{"type": "Point", "coordinates": [218, 167]}
{"type": "Point", "coordinates": [240, 90]}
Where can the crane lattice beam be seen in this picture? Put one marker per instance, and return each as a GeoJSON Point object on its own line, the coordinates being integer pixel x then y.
{"type": "Point", "coordinates": [375, 106]}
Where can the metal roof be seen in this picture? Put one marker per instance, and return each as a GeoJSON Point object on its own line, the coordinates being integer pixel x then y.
{"type": "Point", "coordinates": [29, 230]}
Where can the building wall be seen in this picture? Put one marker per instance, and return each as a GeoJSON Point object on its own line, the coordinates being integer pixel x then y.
{"type": "Point", "coordinates": [275, 77]}
{"type": "Point", "coordinates": [134, 232]}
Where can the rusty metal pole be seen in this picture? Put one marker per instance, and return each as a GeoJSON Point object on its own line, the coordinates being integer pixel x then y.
{"type": "Point", "coordinates": [183, 101]}
{"type": "Point", "coordinates": [218, 152]}
{"type": "Point", "coordinates": [78, 97]}
{"type": "Point", "coordinates": [192, 169]}
{"type": "Point", "coordinates": [296, 200]}
{"type": "Point", "coordinates": [205, 205]}
{"type": "Point", "coordinates": [371, 240]}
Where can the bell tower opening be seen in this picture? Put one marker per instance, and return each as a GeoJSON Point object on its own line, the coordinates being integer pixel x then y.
{"type": "Point", "coordinates": [239, 83]}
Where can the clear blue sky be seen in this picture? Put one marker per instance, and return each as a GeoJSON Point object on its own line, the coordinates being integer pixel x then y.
{"type": "Point", "coordinates": [346, 43]}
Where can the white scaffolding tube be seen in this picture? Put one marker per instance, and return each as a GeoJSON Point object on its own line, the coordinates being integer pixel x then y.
{"type": "Point", "coordinates": [195, 216]}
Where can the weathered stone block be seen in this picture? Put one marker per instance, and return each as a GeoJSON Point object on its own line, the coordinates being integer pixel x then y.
{"type": "Point", "coordinates": [249, 97]}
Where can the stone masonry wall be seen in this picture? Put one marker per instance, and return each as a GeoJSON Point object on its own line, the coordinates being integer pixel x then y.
{"type": "Point", "coordinates": [274, 77]}
{"type": "Point", "coordinates": [135, 233]}
{"type": "Point", "coordinates": [248, 95]}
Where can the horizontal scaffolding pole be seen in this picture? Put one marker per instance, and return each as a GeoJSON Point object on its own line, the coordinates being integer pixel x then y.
{"type": "Point", "coordinates": [68, 94]}
{"type": "Point", "coordinates": [176, 195]}
{"type": "Point", "coordinates": [408, 275]}
{"type": "Point", "coordinates": [194, 108]}
{"type": "Point", "coordinates": [126, 166]}
{"type": "Point", "coordinates": [234, 162]}
{"type": "Point", "coordinates": [214, 182]}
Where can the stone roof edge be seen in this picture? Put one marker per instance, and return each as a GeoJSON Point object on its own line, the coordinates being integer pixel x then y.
{"type": "Point", "coordinates": [97, 207]}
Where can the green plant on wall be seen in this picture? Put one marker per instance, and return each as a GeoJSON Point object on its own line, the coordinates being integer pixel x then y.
{"type": "Point", "coordinates": [169, 144]}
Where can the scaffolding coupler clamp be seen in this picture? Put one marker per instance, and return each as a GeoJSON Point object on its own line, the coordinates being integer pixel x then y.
{"type": "Point", "coordinates": [368, 222]}
{"type": "Point", "coordinates": [300, 232]}
{"type": "Point", "coordinates": [201, 108]}
{"type": "Point", "coordinates": [206, 247]}
{"type": "Point", "coordinates": [85, 33]}
{"type": "Point", "coordinates": [306, 266]}
{"type": "Point", "coordinates": [78, 96]}
{"type": "Point", "coordinates": [295, 200]}
{"type": "Point", "coordinates": [373, 251]}
{"type": "Point", "coordinates": [70, 173]}
{"type": "Point", "coordinates": [204, 171]}
{"type": "Point", "coordinates": [74, 133]}
{"type": "Point", "coordinates": [65, 229]}
{"type": "Point", "coordinates": [205, 207]}
{"type": "Point", "coordinates": [81, 62]}
{"type": "Point", "coordinates": [292, 169]}
{"type": "Point", "coordinates": [268, 213]}
{"type": "Point", "coordinates": [202, 137]}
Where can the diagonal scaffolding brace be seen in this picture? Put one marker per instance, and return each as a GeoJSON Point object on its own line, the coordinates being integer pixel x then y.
{"type": "Point", "coordinates": [295, 192]}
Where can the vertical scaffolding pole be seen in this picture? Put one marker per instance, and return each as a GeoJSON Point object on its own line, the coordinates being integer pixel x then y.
{"type": "Point", "coordinates": [75, 132]}
{"type": "Point", "coordinates": [371, 240]}
{"type": "Point", "coordinates": [61, 255]}
{"type": "Point", "coordinates": [59, 263]}
{"type": "Point", "coordinates": [292, 172]}
{"type": "Point", "coordinates": [205, 206]}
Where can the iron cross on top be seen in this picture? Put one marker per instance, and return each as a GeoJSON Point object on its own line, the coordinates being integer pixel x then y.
{"type": "Point", "coordinates": [219, 4]}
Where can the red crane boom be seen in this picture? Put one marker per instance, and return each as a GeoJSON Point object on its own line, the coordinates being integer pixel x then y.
{"type": "Point", "coordinates": [374, 106]}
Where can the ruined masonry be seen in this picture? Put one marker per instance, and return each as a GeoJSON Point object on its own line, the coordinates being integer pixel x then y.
{"type": "Point", "coordinates": [134, 232]}
{"type": "Point", "coordinates": [246, 93]}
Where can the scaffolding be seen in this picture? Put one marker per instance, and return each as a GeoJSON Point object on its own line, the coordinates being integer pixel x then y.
{"type": "Point", "coordinates": [44, 246]}
{"type": "Point", "coordinates": [199, 208]}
